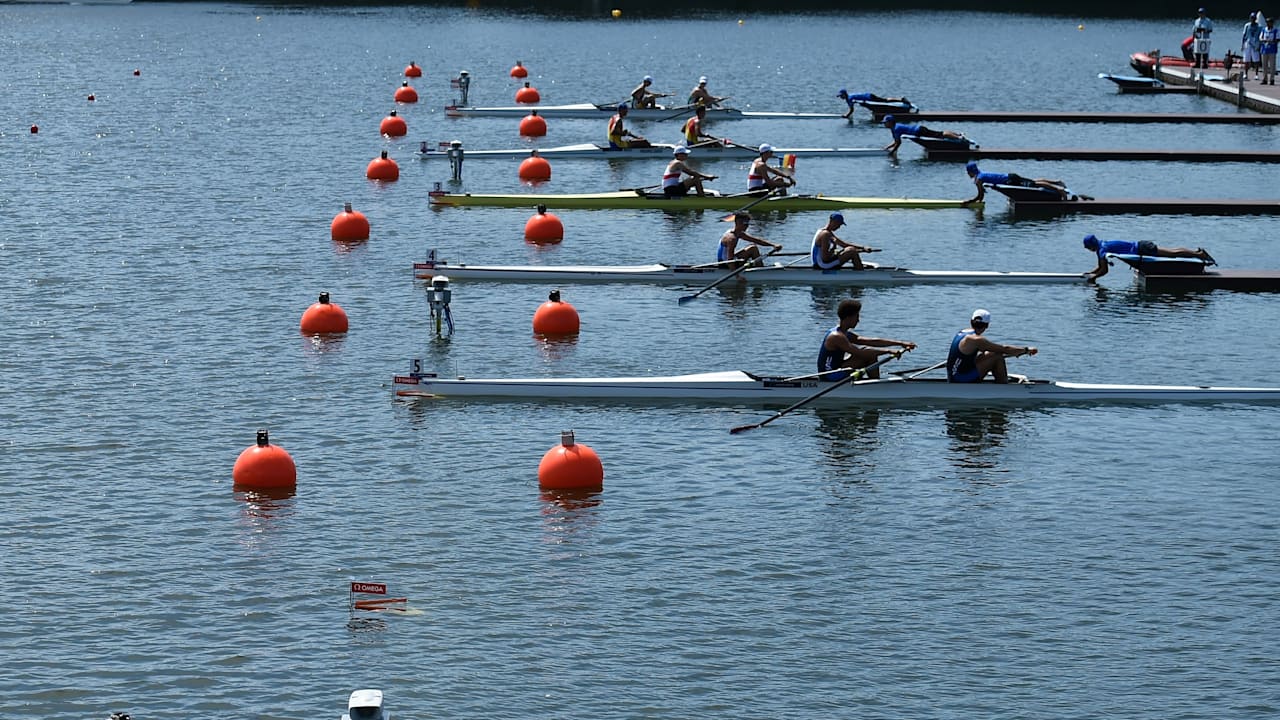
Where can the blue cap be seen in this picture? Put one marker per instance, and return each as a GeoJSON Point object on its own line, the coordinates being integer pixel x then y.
{"type": "Point", "coordinates": [622, 106]}
{"type": "Point", "coordinates": [1091, 242]}
{"type": "Point", "coordinates": [842, 93]}
{"type": "Point", "coordinates": [889, 119]}
{"type": "Point", "coordinates": [971, 167]}
{"type": "Point", "coordinates": [837, 217]}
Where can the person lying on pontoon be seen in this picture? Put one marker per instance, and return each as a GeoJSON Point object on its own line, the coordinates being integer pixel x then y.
{"type": "Point", "coordinates": [856, 98]}
{"type": "Point", "coordinates": [899, 129]}
{"type": "Point", "coordinates": [983, 179]}
{"type": "Point", "coordinates": [972, 357]}
{"type": "Point", "coordinates": [1103, 248]}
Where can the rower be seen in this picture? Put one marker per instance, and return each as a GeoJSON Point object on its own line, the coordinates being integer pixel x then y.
{"type": "Point", "coordinates": [693, 134]}
{"type": "Point", "coordinates": [859, 98]}
{"type": "Point", "coordinates": [899, 130]}
{"type": "Point", "coordinates": [982, 180]}
{"type": "Point", "coordinates": [842, 348]}
{"type": "Point", "coordinates": [972, 356]}
{"type": "Point", "coordinates": [1103, 248]}
{"type": "Point", "coordinates": [642, 98]}
{"type": "Point", "coordinates": [763, 177]}
{"type": "Point", "coordinates": [699, 95]}
{"type": "Point", "coordinates": [673, 185]}
{"type": "Point", "coordinates": [620, 137]}
{"type": "Point", "coordinates": [830, 252]}
{"type": "Point", "coordinates": [728, 248]}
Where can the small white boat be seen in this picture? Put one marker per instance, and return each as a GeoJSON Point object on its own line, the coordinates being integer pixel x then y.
{"type": "Point", "coordinates": [659, 150]}
{"type": "Point", "coordinates": [775, 273]}
{"type": "Point", "coordinates": [605, 110]}
{"type": "Point", "coordinates": [736, 386]}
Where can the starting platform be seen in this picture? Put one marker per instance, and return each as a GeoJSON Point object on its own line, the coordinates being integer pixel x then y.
{"type": "Point", "coordinates": [1243, 280]}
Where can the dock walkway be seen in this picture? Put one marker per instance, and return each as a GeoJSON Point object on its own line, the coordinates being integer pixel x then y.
{"type": "Point", "coordinates": [1242, 93]}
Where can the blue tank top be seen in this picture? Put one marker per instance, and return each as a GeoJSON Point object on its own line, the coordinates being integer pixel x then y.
{"type": "Point", "coordinates": [828, 360]}
{"type": "Point", "coordinates": [722, 252]}
{"type": "Point", "coordinates": [961, 367]}
{"type": "Point", "coordinates": [993, 178]}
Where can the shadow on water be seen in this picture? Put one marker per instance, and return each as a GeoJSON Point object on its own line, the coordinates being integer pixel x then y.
{"type": "Point", "coordinates": [850, 436]}
{"type": "Point", "coordinates": [977, 436]}
{"type": "Point", "coordinates": [567, 515]}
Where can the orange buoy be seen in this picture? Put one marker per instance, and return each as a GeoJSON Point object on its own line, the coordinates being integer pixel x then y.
{"type": "Point", "coordinates": [349, 226]}
{"type": "Point", "coordinates": [413, 70]}
{"type": "Point", "coordinates": [393, 126]}
{"type": "Point", "coordinates": [406, 94]}
{"type": "Point", "coordinates": [571, 466]}
{"type": "Point", "coordinates": [35, 129]}
{"type": "Point", "coordinates": [323, 318]}
{"type": "Point", "coordinates": [92, 98]}
{"type": "Point", "coordinates": [519, 71]}
{"type": "Point", "coordinates": [544, 227]}
{"type": "Point", "coordinates": [555, 317]}
{"type": "Point", "coordinates": [527, 95]}
{"type": "Point", "coordinates": [264, 466]}
{"type": "Point", "coordinates": [534, 168]}
{"type": "Point", "coordinates": [383, 168]}
{"type": "Point", "coordinates": [532, 125]}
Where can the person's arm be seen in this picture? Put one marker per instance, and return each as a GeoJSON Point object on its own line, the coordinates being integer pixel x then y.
{"type": "Point", "coordinates": [982, 193]}
{"type": "Point", "coordinates": [886, 343]}
{"type": "Point", "coordinates": [1099, 271]}
{"type": "Point", "coordinates": [897, 140]}
{"type": "Point", "coordinates": [759, 241]}
{"type": "Point", "coordinates": [1007, 350]}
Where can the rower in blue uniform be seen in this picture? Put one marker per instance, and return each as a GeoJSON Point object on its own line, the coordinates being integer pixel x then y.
{"type": "Point", "coordinates": [728, 247]}
{"type": "Point", "coordinates": [857, 99]}
{"type": "Point", "coordinates": [1103, 248]}
{"type": "Point", "coordinates": [983, 179]}
{"type": "Point", "coordinates": [829, 252]}
{"type": "Point", "coordinates": [899, 129]}
{"type": "Point", "coordinates": [973, 356]}
{"type": "Point", "coordinates": [842, 349]}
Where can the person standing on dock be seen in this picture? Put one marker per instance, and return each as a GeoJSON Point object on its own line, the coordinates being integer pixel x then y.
{"type": "Point", "coordinates": [899, 129]}
{"type": "Point", "coordinates": [983, 179]}
{"type": "Point", "coordinates": [972, 356]}
{"type": "Point", "coordinates": [857, 98]}
{"type": "Point", "coordinates": [1103, 248]}
{"type": "Point", "coordinates": [728, 249]}
{"type": "Point", "coordinates": [1268, 39]}
{"type": "Point", "coordinates": [1251, 45]}
{"type": "Point", "coordinates": [619, 136]}
{"type": "Point", "coordinates": [842, 348]}
{"type": "Point", "coordinates": [672, 183]}
{"type": "Point", "coordinates": [1201, 29]}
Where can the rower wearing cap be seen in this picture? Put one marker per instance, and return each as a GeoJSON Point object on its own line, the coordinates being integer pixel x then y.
{"type": "Point", "coordinates": [673, 185]}
{"type": "Point", "coordinates": [693, 134]}
{"type": "Point", "coordinates": [728, 248]}
{"type": "Point", "coordinates": [763, 176]}
{"type": "Point", "coordinates": [972, 356]}
{"type": "Point", "coordinates": [856, 98]}
{"type": "Point", "coordinates": [620, 137]}
{"type": "Point", "coordinates": [899, 129]}
{"type": "Point", "coordinates": [983, 179]}
{"type": "Point", "coordinates": [829, 252]}
{"type": "Point", "coordinates": [843, 348]}
{"type": "Point", "coordinates": [1103, 248]}
{"type": "Point", "coordinates": [701, 96]}
{"type": "Point", "coordinates": [642, 98]}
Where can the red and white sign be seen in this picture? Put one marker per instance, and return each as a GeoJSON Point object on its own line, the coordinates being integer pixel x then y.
{"type": "Point", "coordinates": [371, 588]}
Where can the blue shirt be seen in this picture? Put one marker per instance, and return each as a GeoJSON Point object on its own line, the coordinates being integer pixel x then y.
{"type": "Point", "coordinates": [899, 130]}
{"type": "Point", "coordinates": [987, 178]}
{"type": "Point", "coordinates": [1117, 247]}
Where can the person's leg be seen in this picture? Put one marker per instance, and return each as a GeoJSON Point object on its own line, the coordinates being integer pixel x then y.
{"type": "Point", "coordinates": [990, 362]}
{"type": "Point", "coordinates": [693, 183]}
{"type": "Point", "coordinates": [1181, 252]}
{"type": "Point", "coordinates": [850, 255]}
{"type": "Point", "coordinates": [862, 357]}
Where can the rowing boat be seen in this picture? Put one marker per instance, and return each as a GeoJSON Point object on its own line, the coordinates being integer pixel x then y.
{"type": "Point", "coordinates": [638, 201]}
{"type": "Point", "coordinates": [775, 273]}
{"type": "Point", "coordinates": [660, 150]}
{"type": "Point", "coordinates": [591, 110]}
{"type": "Point", "coordinates": [737, 386]}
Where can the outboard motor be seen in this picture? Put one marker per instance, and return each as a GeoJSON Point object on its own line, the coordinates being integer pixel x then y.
{"type": "Point", "coordinates": [366, 705]}
{"type": "Point", "coordinates": [461, 83]}
{"type": "Point", "coordinates": [455, 154]}
{"type": "Point", "coordinates": [439, 302]}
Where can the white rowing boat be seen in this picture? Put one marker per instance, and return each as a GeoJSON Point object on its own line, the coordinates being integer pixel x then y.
{"type": "Point", "coordinates": [775, 273]}
{"type": "Point", "coordinates": [741, 387]}
{"type": "Point", "coordinates": [659, 150]}
{"type": "Point", "coordinates": [590, 110]}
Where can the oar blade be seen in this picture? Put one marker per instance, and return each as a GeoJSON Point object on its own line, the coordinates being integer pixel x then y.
{"type": "Point", "coordinates": [743, 428]}
{"type": "Point", "coordinates": [686, 298]}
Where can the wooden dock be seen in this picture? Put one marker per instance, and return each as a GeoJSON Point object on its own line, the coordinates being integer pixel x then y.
{"type": "Point", "coordinates": [1143, 206]}
{"type": "Point", "coordinates": [1099, 117]}
{"type": "Point", "coordinates": [1246, 94]}
{"type": "Point", "coordinates": [1180, 155]}
{"type": "Point", "coordinates": [1244, 280]}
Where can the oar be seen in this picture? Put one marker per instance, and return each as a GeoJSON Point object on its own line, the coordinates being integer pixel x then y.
{"type": "Point", "coordinates": [745, 266]}
{"type": "Point", "coordinates": [753, 203]}
{"type": "Point", "coordinates": [855, 375]}
{"type": "Point", "coordinates": [917, 373]}
{"type": "Point", "coordinates": [640, 190]}
{"type": "Point", "coordinates": [688, 109]}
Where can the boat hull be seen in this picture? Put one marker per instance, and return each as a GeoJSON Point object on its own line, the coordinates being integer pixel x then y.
{"type": "Point", "coordinates": [775, 274]}
{"type": "Point", "coordinates": [740, 387]}
{"type": "Point", "coordinates": [634, 201]}
{"type": "Point", "coordinates": [588, 110]}
{"type": "Point", "coordinates": [662, 150]}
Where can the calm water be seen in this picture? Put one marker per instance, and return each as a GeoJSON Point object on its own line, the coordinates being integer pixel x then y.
{"type": "Point", "coordinates": [160, 243]}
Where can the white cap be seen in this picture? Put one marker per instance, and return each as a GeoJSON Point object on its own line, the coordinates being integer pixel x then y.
{"type": "Point", "coordinates": [648, 78]}
{"type": "Point", "coordinates": [765, 148]}
{"type": "Point", "coordinates": [982, 316]}
{"type": "Point", "coordinates": [680, 150]}
{"type": "Point", "coordinates": [702, 80]}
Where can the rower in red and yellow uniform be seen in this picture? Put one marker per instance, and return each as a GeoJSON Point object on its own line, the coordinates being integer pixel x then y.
{"type": "Point", "coordinates": [693, 134]}
{"type": "Point", "coordinates": [620, 138]}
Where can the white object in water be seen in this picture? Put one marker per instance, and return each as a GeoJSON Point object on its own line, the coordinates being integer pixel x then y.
{"type": "Point", "coordinates": [366, 705]}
